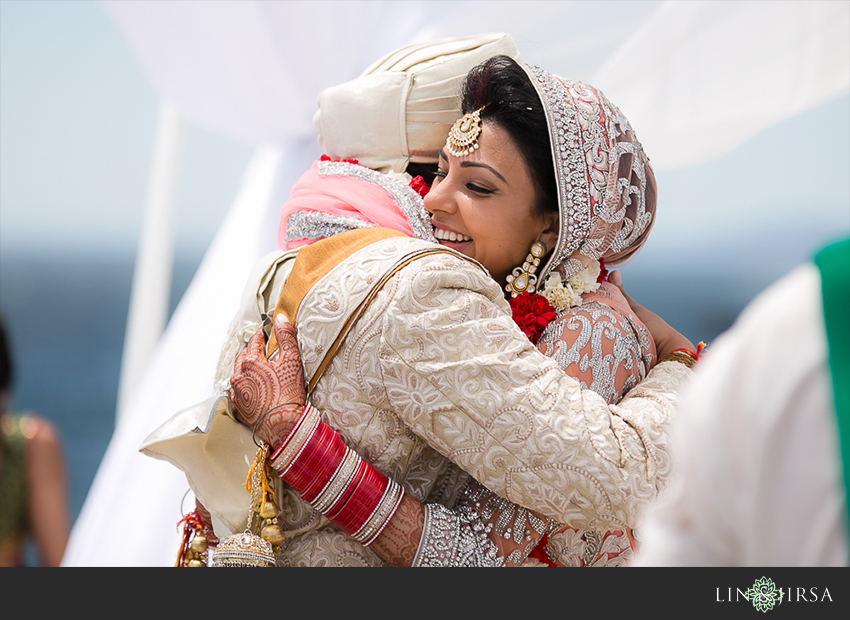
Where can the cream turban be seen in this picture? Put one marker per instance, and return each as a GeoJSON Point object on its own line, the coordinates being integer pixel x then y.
{"type": "Point", "coordinates": [400, 110]}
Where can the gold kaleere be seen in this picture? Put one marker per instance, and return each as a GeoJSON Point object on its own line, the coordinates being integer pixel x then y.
{"type": "Point", "coordinates": [195, 546]}
{"type": "Point", "coordinates": [259, 544]}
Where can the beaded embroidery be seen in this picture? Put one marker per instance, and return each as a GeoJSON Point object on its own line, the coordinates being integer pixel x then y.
{"type": "Point", "coordinates": [314, 225]}
{"type": "Point", "coordinates": [455, 539]}
{"type": "Point", "coordinates": [408, 199]}
{"type": "Point", "coordinates": [629, 348]}
{"type": "Point", "coordinates": [583, 126]}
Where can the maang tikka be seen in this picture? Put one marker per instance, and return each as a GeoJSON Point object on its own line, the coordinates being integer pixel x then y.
{"type": "Point", "coordinates": [523, 277]}
{"type": "Point", "coordinates": [463, 136]}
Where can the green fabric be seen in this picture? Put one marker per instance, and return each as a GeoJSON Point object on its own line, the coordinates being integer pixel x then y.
{"type": "Point", "coordinates": [13, 488]}
{"type": "Point", "coordinates": [834, 265]}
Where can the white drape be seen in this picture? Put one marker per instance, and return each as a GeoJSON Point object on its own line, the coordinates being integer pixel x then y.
{"type": "Point", "coordinates": [252, 70]}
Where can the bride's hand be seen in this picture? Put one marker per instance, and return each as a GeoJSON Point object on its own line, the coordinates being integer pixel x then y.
{"type": "Point", "coordinates": [259, 385]}
{"type": "Point", "coordinates": [666, 338]}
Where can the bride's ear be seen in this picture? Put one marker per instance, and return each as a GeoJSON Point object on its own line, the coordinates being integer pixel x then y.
{"type": "Point", "coordinates": [551, 227]}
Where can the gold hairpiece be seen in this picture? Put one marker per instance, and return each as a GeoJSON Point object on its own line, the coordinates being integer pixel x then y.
{"type": "Point", "coordinates": [463, 137]}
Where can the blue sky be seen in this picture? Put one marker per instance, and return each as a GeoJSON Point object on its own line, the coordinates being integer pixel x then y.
{"type": "Point", "coordinates": [77, 120]}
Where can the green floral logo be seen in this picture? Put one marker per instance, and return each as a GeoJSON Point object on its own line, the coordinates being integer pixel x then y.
{"type": "Point", "coordinates": [764, 594]}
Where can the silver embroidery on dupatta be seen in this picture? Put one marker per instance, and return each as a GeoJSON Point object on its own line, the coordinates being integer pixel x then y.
{"type": "Point", "coordinates": [632, 229]}
{"type": "Point", "coordinates": [583, 127]}
{"type": "Point", "coordinates": [408, 200]}
{"type": "Point", "coordinates": [626, 351]}
{"type": "Point", "coordinates": [314, 225]}
{"type": "Point", "coordinates": [570, 170]}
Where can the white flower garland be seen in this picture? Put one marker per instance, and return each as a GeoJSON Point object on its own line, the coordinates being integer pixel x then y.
{"type": "Point", "coordinates": [565, 294]}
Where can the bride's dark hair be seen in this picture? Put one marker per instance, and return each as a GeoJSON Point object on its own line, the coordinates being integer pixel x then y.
{"type": "Point", "coordinates": [511, 101]}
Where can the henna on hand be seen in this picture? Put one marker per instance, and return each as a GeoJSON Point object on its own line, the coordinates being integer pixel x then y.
{"type": "Point", "coordinates": [399, 540]}
{"type": "Point", "coordinates": [259, 385]}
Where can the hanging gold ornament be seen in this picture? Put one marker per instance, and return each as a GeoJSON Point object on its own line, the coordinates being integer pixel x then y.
{"type": "Point", "coordinates": [193, 550]}
{"type": "Point", "coordinates": [463, 136]}
{"type": "Point", "coordinates": [250, 549]}
{"type": "Point", "coordinates": [523, 277]}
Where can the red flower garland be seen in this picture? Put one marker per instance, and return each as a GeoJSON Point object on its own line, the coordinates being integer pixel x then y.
{"type": "Point", "coordinates": [603, 273]}
{"type": "Point", "coordinates": [347, 161]}
{"type": "Point", "coordinates": [419, 186]}
{"type": "Point", "coordinates": [532, 312]}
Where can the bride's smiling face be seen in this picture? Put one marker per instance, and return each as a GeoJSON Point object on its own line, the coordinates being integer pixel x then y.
{"type": "Point", "coordinates": [483, 204]}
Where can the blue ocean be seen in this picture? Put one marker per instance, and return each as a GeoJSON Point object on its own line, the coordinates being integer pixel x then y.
{"type": "Point", "coordinates": [66, 317]}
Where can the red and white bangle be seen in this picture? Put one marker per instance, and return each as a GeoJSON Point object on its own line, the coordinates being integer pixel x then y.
{"type": "Point", "coordinates": [383, 512]}
{"type": "Point", "coordinates": [345, 472]}
{"type": "Point", "coordinates": [284, 455]}
{"type": "Point", "coordinates": [316, 463]}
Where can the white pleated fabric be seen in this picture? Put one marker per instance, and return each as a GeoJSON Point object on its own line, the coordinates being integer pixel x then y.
{"type": "Point", "coordinates": [759, 466]}
{"type": "Point", "coordinates": [695, 78]}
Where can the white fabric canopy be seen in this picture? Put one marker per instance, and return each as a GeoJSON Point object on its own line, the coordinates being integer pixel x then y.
{"type": "Point", "coordinates": [253, 69]}
{"type": "Point", "coordinates": [696, 79]}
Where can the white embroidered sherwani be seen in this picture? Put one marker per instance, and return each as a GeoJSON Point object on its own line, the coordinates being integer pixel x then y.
{"type": "Point", "coordinates": [435, 382]}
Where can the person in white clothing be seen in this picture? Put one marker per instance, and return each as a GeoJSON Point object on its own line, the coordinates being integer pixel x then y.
{"type": "Point", "coordinates": [759, 473]}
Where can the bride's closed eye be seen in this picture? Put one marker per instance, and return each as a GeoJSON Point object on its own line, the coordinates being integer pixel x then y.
{"type": "Point", "coordinates": [473, 187]}
{"type": "Point", "coordinates": [479, 190]}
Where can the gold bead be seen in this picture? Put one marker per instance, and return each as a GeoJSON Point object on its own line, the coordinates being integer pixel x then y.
{"type": "Point", "coordinates": [195, 564]}
{"type": "Point", "coordinates": [272, 534]}
{"type": "Point", "coordinates": [199, 544]}
{"type": "Point", "coordinates": [268, 510]}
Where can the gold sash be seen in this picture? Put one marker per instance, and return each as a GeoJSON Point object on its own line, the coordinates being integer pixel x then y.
{"type": "Point", "coordinates": [316, 260]}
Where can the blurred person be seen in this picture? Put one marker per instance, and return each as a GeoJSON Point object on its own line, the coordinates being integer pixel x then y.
{"type": "Point", "coordinates": [763, 442]}
{"type": "Point", "coordinates": [33, 484]}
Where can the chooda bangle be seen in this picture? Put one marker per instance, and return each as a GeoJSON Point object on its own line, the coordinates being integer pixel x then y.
{"type": "Point", "coordinates": [335, 480]}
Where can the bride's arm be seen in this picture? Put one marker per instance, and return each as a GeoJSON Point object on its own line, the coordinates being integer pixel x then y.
{"type": "Point", "coordinates": [429, 535]}
{"type": "Point", "coordinates": [460, 374]}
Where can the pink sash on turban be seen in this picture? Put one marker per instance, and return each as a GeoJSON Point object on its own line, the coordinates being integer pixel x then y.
{"type": "Point", "coordinates": [334, 197]}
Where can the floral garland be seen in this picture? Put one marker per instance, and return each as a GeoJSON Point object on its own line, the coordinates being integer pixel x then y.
{"type": "Point", "coordinates": [532, 312]}
{"type": "Point", "coordinates": [418, 184]}
{"type": "Point", "coordinates": [565, 294]}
